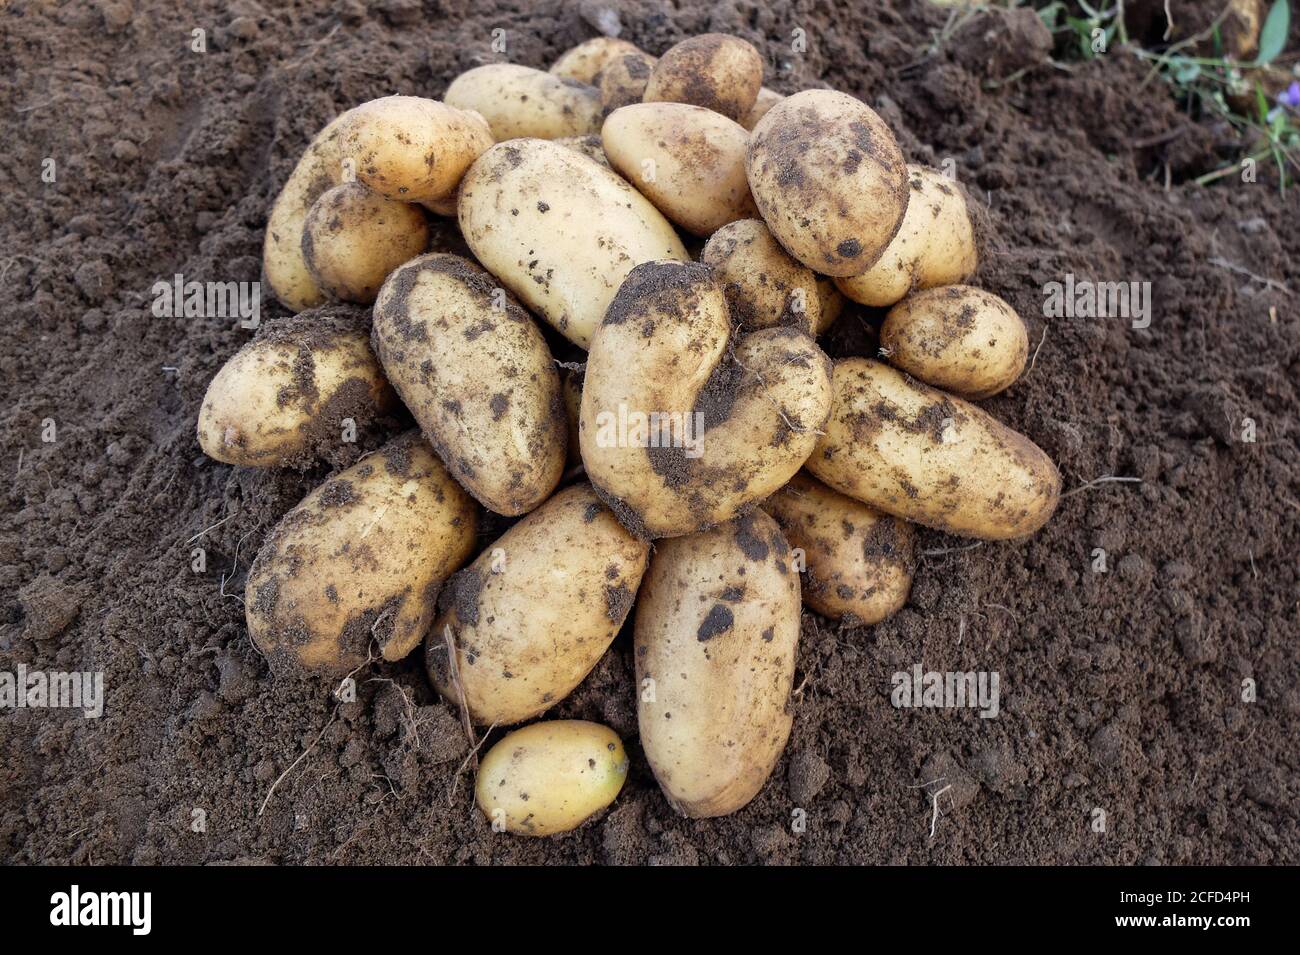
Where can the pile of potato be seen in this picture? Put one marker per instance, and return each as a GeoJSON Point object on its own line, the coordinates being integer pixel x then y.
{"type": "Point", "coordinates": [579, 192]}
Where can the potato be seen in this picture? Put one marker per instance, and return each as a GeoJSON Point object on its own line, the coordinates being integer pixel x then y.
{"type": "Point", "coordinates": [586, 60]}
{"type": "Point", "coordinates": [957, 338]}
{"type": "Point", "coordinates": [688, 161]}
{"type": "Point", "coordinates": [411, 148]}
{"type": "Point", "coordinates": [589, 146]}
{"type": "Point", "coordinates": [550, 777]}
{"type": "Point", "coordinates": [681, 428]}
{"type": "Point", "coordinates": [915, 452]}
{"type": "Point", "coordinates": [935, 245]}
{"type": "Point", "coordinates": [361, 559]}
{"type": "Point", "coordinates": [622, 81]}
{"type": "Point", "coordinates": [571, 389]}
{"type": "Point", "coordinates": [476, 373]}
{"type": "Point", "coordinates": [560, 231]}
{"type": "Point", "coordinates": [832, 304]}
{"type": "Point", "coordinates": [445, 207]}
{"type": "Point", "coordinates": [538, 609]}
{"type": "Point", "coordinates": [858, 563]}
{"type": "Point", "coordinates": [714, 70]}
{"type": "Point", "coordinates": [829, 180]}
{"type": "Point", "coordinates": [766, 100]}
{"type": "Point", "coordinates": [716, 634]}
{"type": "Point", "coordinates": [519, 101]}
{"type": "Point", "coordinates": [764, 286]}
{"type": "Point", "coordinates": [281, 400]}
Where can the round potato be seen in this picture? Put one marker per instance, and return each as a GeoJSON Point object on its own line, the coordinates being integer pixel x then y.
{"type": "Point", "coordinates": [550, 777]}
{"type": "Point", "coordinates": [361, 559]}
{"type": "Point", "coordinates": [714, 70]}
{"type": "Point", "coordinates": [537, 610]}
{"type": "Point", "coordinates": [687, 160]}
{"type": "Point", "coordinates": [916, 452]}
{"type": "Point", "coordinates": [766, 100]}
{"type": "Point", "coordinates": [622, 81]}
{"type": "Point", "coordinates": [829, 179]}
{"type": "Point", "coordinates": [716, 635]}
{"type": "Point", "coordinates": [518, 101]}
{"type": "Point", "coordinates": [586, 60]}
{"type": "Point", "coordinates": [764, 286]}
{"type": "Point", "coordinates": [857, 562]}
{"type": "Point", "coordinates": [560, 231]}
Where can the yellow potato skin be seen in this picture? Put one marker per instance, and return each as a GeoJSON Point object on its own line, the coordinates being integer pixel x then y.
{"type": "Point", "coordinates": [832, 304]}
{"type": "Point", "coordinates": [764, 286]}
{"type": "Point", "coordinates": [958, 338]}
{"type": "Point", "coordinates": [585, 61]}
{"type": "Point", "coordinates": [361, 559]}
{"type": "Point", "coordinates": [589, 146]}
{"type": "Point", "coordinates": [538, 609]}
{"type": "Point", "coordinates": [716, 637]}
{"type": "Point", "coordinates": [932, 458]}
{"type": "Point", "coordinates": [622, 81]}
{"type": "Point", "coordinates": [550, 777]}
{"type": "Point", "coordinates": [766, 100]}
{"type": "Point", "coordinates": [717, 71]}
{"type": "Point", "coordinates": [518, 101]}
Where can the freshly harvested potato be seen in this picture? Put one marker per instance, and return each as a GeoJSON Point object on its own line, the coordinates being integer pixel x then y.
{"type": "Point", "coordinates": [935, 245]}
{"type": "Point", "coordinates": [714, 70]}
{"type": "Point", "coordinates": [354, 237]}
{"type": "Point", "coordinates": [361, 559]}
{"type": "Point", "coordinates": [411, 148]}
{"type": "Point", "coordinates": [764, 286]}
{"type": "Point", "coordinates": [716, 634]}
{"type": "Point", "coordinates": [766, 100]}
{"type": "Point", "coordinates": [518, 101]}
{"type": "Point", "coordinates": [916, 452]}
{"type": "Point", "coordinates": [560, 231]}
{"type": "Point", "coordinates": [681, 428]}
{"type": "Point", "coordinates": [537, 610]}
{"type": "Point", "coordinates": [832, 304]}
{"type": "Point", "coordinates": [281, 400]}
{"type": "Point", "coordinates": [687, 160]}
{"type": "Point", "coordinates": [586, 60]}
{"type": "Point", "coordinates": [550, 777]}
{"type": "Point", "coordinates": [958, 338]}
{"type": "Point", "coordinates": [858, 563]}
{"type": "Point", "coordinates": [622, 81]}
{"type": "Point", "coordinates": [589, 146]}
{"type": "Point", "coordinates": [829, 179]}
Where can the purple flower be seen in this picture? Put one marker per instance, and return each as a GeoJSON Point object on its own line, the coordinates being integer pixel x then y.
{"type": "Point", "coordinates": [1290, 96]}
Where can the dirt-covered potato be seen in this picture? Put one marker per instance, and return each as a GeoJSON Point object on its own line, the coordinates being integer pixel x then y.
{"type": "Point", "coordinates": [682, 427]}
{"type": "Point", "coordinates": [832, 304]}
{"type": "Point", "coordinates": [687, 160]}
{"type": "Point", "coordinates": [589, 146]}
{"type": "Point", "coordinates": [919, 453]}
{"type": "Point", "coordinates": [622, 81]}
{"type": "Point", "coordinates": [715, 70]}
{"type": "Point", "coordinates": [857, 562]}
{"type": "Point", "coordinates": [764, 286]}
{"type": "Point", "coordinates": [958, 338]}
{"type": "Point", "coordinates": [585, 61]}
{"type": "Point", "coordinates": [829, 179]}
{"type": "Point", "coordinates": [411, 148]}
{"type": "Point", "coordinates": [550, 777]}
{"type": "Point", "coordinates": [518, 101]}
{"type": "Point", "coordinates": [559, 230]}
{"type": "Point", "coordinates": [282, 399]}
{"type": "Point", "coordinates": [538, 609]}
{"type": "Point", "coordinates": [935, 245]}
{"type": "Point", "coordinates": [360, 560]}
{"type": "Point", "coordinates": [766, 100]}
{"type": "Point", "coordinates": [716, 635]}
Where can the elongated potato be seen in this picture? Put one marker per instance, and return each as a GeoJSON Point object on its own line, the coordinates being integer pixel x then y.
{"type": "Point", "coordinates": [679, 430]}
{"type": "Point", "coordinates": [829, 179]}
{"type": "Point", "coordinates": [282, 399]}
{"type": "Point", "coordinates": [764, 286]}
{"type": "Point", "coordinates": [858, 563]}
{"type": "Point", "coordinates": [935, 245]}
{"type": "Point", "coordinates": [560, 231]}
{"type": "Point", "coordinates": [476, 373]}
{"type": "Point", "coordinates": [716, 634]}
{"type": "Point", "coordinates": [622, 81]}
{"type": "Point", "coordinates": [518, 101]}
{"type": "Point", "coordinates": [688, 161]}
{"type": "Point", "coordinates": [361, 559]}
{"type": "Point", "coordinates": [916, 452]}
{"type": "Point", "coordinates": [957, 338]}
{"type": "Point", "coordinates": [586, 60]}
{"type": "Point", "coordinates": [538, 609]}
{"type": "Point", "coordinates": [766, 100]}
{"type": "Point", "coordinates": [714, 70]}
{"type": "Point", "coordinates": [550, 777]}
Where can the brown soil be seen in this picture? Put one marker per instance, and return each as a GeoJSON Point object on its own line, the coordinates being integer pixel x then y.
{"type": "Point", "coordinates": [1121, 691]}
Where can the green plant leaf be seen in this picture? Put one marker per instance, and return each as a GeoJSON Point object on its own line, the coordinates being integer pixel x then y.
{"type": "Point", "coordinates": [1273, 37]}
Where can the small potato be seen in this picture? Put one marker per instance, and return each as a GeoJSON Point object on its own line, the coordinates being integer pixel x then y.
{"type": "Point", "coordinates": [622, 81]}
{"type": "Point", "coordinates": [714, 70]}
{"type": "Point", "coordinates": [589, 146]}
{"type": "Point", "coordinates": [716, 635]}
{"type": "Point", "coordinates": [354, 237]}
{"type": "Point", "coordinates": [858, 563]}
{"type": "Point", "coordinates": [829, 179]}
{"type": "Point", "coordinates": [935, 245]}
{"type": "Point", "coordinates": [281, 400]}
{"type": "Point", "coordinates": [766, 100]}
{"type": "Point", "coordinates": [957, 338]}
{"type": "Point", "coordinates": [538, 609]}
{"type": "Point", "coordinates": [586, 60]}
{"type": "Point", "coordinates": [832, 304]}
{"type": "Point", "coordinates": [518, 101]}
{"type": "Point", "coordinates": [916, 452]}
{"type": "Point", "coordinates": [688, 161]}
{"type": "Point", "coordinates": [360, 560]}
{"type": "Point", "coordinates": [550, 777]}
{"type": "Point", "coordinates": [764, 286]}
{"type": "Point", "coordinates": [559, 230]}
